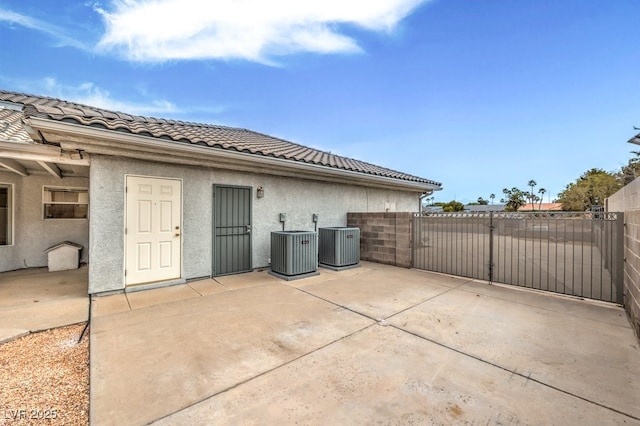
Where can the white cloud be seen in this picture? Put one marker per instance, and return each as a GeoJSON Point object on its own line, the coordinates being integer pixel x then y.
{"type": "Point", "coordinates": [35, 24]}
{"type": "Point", "coordinates": [89, 94]}
{"type": "Point", "coordinates": [256, 30]}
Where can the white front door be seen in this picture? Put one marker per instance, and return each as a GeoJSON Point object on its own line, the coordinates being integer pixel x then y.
{"type": "Point", "coordinates": [153, 229]}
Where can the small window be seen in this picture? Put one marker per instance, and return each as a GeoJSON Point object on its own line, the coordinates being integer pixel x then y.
{"type": "Point", "coordinates": [6, 214]}
{"type": "Point", "coordinates": [65, 203]}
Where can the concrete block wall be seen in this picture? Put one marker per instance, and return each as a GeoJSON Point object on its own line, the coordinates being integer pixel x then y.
{"type": "Point", "coordinates": [627, 200]}
{"type": "Point", "coordinates": [384, 237]}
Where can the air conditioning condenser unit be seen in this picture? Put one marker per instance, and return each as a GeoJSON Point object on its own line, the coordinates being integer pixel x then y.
{"type": "Point", "coordinates": [294, 254]}
{"type": "Point", "coordinates": [339, 247]}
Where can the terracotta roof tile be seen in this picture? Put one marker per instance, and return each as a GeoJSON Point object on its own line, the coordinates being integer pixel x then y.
{"type": "Point", "coordinates": [216, 136]}
{"type": "Point", "coordinates": [11, 128]}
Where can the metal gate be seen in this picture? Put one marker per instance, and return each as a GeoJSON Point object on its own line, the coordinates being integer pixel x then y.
{"type": "Point", "coordinates": [580, 254]}
{"type": "Point", "coordinates": [231, 230]}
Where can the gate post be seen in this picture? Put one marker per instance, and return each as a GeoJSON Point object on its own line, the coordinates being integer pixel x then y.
{"type": "Point", "coordinates": [618, 260]}
{"type": "Point", "coordinates": [491, 228]}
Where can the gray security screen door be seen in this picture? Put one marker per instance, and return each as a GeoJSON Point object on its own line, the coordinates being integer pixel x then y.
{"type": "Point", "coordinates": [231, 229]}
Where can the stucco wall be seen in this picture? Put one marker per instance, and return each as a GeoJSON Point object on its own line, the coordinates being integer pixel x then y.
{"type": "Point", "coordinates": [298, 198]}
{"type": "Point", "coordinates": [627, 200]}
{"type": "Point", "coordinates": [32, 234]}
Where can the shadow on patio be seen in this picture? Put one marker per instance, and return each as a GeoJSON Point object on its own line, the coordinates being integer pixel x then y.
{"type": "Point", "coordinates": [35, 299]}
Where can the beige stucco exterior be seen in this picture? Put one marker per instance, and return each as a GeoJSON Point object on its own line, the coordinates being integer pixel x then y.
{"type": "Point", "coordinates": [298, 198]}
{"type": "Point", "coordinates": [32, 234]}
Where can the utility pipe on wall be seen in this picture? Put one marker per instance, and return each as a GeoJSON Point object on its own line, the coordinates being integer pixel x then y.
{"type": "Point", "coordinates": [422, 197]}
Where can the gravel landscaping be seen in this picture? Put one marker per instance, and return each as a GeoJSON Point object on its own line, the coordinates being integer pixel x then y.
{"type": "Point", "coordinates": [44, 378]}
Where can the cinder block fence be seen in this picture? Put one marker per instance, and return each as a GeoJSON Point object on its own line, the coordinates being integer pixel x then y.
{"type": "Point", "coordinates": [384, 237]}
{"type": "Point", "coordinates": [627, 200]}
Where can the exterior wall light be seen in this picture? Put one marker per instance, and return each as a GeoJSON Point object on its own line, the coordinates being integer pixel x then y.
{"type": "Point", "coordinates": [260, 192]}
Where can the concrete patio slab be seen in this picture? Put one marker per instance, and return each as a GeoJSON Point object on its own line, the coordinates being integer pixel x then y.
{"type": "Point", "coordinates": [449, 351]}
{"type": "Point", "coordinates": [363, 379]}
{"type": "Point", "coordinates": [108, 305]}
{"type": "Point", "coordinates": [363, 268]}
{"type": "Point", "coordinates": [552, 301]}
{"type": "Point", "coordinates": [158, 296]}
{"type": "Point", "coordinates": [8, 334]}
{"type": "Point", "coordinates": [379, 294]}
{"type": "Point", "coordinates": [151, 362]}
{"type": "Point", "coordinates": [45, 315]}
{"type": "Point", "coordinates": [26, 286]}
{"type": "Point", "coordinates": [324, 276]}
{"type": "Point", "coordinates": [249, 279]}
{"type": "Point", "coordinates": [206, 287]}
{"type": "Point", "coordinates": [550, 344]}
{"type": "Point", "coordinates": [36, 300]}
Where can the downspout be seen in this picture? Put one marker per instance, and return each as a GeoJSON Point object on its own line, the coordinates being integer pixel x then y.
{"type": "Point", "coordinates": [84, 330]}
{"type": "Point", "coordinates": [422, 197]}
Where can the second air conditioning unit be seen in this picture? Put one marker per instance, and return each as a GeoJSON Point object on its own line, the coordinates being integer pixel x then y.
{"type": "Point", "coordinates": [294, 253]}
{"type": "Point", "coordinates": [339, 247]}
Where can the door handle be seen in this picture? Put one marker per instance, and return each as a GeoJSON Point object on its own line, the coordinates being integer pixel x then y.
{"type": "Point", "coordinates": [248, 230]}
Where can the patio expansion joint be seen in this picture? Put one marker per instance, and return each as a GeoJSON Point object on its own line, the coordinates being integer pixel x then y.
{"type": "Point", "coordinates": [526, 376]}
{"type": "Point", "coordinates": [377, 320]}
{"type": "Point", "coordinates": [218, 282]}
{"type": "Point", "coordinates": [430, 298]}
{"type": "Point", "coordinates": [126, 297]}
{"type": "Point", "coordinates": [249, 379]}
{"type": "Point", "coordinates": [196, 291]}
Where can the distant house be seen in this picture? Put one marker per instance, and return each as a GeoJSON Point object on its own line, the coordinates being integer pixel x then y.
{"type": "Point", "coordinates": [432, 209]}
{"type": "Point", "coordinates": [545, 207]}
{"type": "Point", "coordinates": [156, 202]}
{"type": "Point", "coordinates": [484, 208]}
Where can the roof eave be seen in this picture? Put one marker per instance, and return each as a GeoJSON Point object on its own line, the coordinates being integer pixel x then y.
{"type": "Point", "coordinates": [107, 142]}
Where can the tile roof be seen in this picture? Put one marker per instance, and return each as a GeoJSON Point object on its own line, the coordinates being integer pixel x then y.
{"type": "Point", "coordinates": [215, 136]}
{"type": "Point", "coordinates": [541, 207]}
{"type": "Point", "coordinates": [11, 128]}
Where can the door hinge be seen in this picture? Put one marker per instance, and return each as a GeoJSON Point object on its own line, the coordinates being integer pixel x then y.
{"type": "Point", "coordinates": [125, 231]}
{"type": "Point", "coordinates": [125, 272]}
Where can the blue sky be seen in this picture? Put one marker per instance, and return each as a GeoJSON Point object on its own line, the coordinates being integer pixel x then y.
{"type": "Point", "coordinates": [478, 95]}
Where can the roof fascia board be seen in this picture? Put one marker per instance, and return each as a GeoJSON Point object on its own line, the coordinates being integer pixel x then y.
{"type": "Point", "coordinates": [241, 166]}
{"type": "Point", "coordinates": [38, 152]}
{"type": "Point", "coordinates": [89, 137]}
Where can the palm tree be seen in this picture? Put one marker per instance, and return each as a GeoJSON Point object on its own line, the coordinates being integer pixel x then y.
{"type": "Point", "coordinates": [532, 183]}
{"type": "Point", "coordinates": [541, 191]}
{"type": "Point", "coordinates": [492, 196]}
